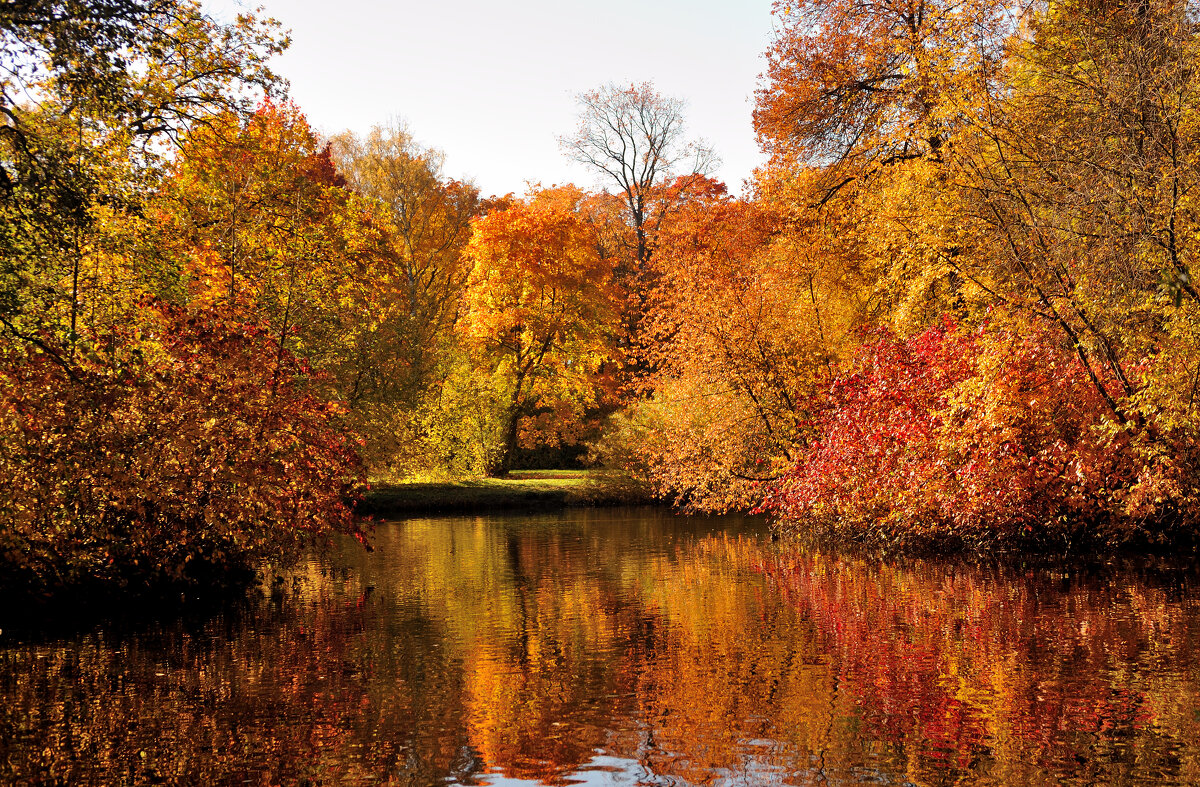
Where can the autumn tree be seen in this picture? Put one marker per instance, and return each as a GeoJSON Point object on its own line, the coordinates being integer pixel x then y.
{"type": "Point", "coordinates": [1025, 170]}
{"type": "Point", "coordinates": [192, 453]}
{"type": "Point", "coordinates": [1083, 178]}
{"type": "Point", "coordinates": [853, 86]}
{"type": "Point", "coordinates": [111, 80]}
{"type": "Point", "coordinates": [744, 331]}
{"type": "Point", "coordinates": [259, 212]}
{"type": "Point", "coordinates": [634, 137]}
{"type": "Point", "coordinates": [430, 223]}
{"type": "Point", "coordinates": [863, 104]}
{"type": "Point", "coordinates": [150, 433]}
{"type": "Point", "coordinates": [1002, 121]}
{"type": "Point", "coordinates": [1058, 209]}
{"type": "Point", "coordinates": [366, 290]}
{"type": "Point", "coordinates": [539, 312]}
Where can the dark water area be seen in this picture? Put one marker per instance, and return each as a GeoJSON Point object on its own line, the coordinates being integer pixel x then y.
{"type": "Point", "coordinates": [626, 647]}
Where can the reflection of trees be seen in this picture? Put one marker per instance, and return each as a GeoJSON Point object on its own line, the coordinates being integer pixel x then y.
{"type": "Point", "coordinates": [1024, 677]}
{"type": "Point", "coordinates": [539, 712]}
{"type": "Point", "coordinates": [282, 692]}
{"type": "Point", "coordinates": [566, 625]}
{"type": "Point", "coordinates": [529, 648]}
{"type": "Point", "coordinates": [585, 643]}
{"type": "Point", "coordinates": [712, 695]}
{"type": "Point", "coordinates": [540, 637]}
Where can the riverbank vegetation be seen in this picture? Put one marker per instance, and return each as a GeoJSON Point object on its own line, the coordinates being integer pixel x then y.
{"type": "Point", "coordinates": [955, 305]}
{"type": "Point", "coordinates": [519, 490]}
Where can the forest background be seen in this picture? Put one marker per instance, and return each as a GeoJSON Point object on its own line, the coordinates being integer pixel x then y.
{"type": "Point", "coordinates": [954, 308]}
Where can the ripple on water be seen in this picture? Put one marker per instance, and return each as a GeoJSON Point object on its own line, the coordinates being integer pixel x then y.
{"type": "Point", "coordinates": [626, 647]}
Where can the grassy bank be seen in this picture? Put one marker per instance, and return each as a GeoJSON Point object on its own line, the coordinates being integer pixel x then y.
{"type": "Point", "coordinates": [522, 489]}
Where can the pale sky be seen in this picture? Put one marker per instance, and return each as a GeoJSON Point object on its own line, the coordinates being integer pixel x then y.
{"type": "Point", "coordinates": [493, 84]}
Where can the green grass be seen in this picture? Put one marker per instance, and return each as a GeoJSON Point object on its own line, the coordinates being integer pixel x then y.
{"type": "Point", "coordinates": [522, 489]}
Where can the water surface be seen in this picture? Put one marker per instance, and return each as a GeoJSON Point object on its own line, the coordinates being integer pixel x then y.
{"type": "Point", "coordinates": [626, 647]}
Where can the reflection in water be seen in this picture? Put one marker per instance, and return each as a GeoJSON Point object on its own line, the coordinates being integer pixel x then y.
{"type": "Point", "coordinates": [626, 647]}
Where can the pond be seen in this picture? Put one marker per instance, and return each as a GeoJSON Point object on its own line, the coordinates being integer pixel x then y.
{"type": "Point", "coordinates": [626, 646]}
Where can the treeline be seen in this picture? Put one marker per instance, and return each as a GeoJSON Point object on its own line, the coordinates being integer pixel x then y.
{"type": "Point", "coordinates": [974, 321]}
{"type": "Point", "coordinates": [956, 308]}
{"type": "Point", "coordinates": [214, 323]}
{"type": "Point", "coordinates": [956, 305]}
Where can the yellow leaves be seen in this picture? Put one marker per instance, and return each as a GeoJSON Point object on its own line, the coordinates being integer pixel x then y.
{"type": "Point", "coordinates": [266, 226]}
{"type": "Point", "coordinates": [540, 303]}
{"type": "Point", "coordinates": [739, 336]}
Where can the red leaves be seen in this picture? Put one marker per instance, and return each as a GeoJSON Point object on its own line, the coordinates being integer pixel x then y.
{"type": "Point", "coordinates": [943, 660]}
{"type": "Point", "coordinates": [201, 442]}
{"type": "Point", "coordinates": [976, 437]}
{"type": "Point", "coordinates": [877, 431]}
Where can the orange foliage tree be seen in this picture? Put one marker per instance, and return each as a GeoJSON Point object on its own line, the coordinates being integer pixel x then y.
{"type": "Point", "coordinates": [269, 226]}
{"type": "Point", "coordinates": [744, 330]}
{"type": "Point", "coordinates": [262, 218]}
{"type": "Point", "coordinates": [539, 313]}
{"type": "Point", "coordinates": [852, 86]}
{"type": "Point", "coordinates": [398, 386]}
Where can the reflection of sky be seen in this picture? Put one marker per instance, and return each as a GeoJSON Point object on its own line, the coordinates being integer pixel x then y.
{"type": "Point", "coordinates": [493, 84]}
{"type": "Point", "coordinates": [600, 770]}
{"type": "Point", "coordinates": [606, 771]}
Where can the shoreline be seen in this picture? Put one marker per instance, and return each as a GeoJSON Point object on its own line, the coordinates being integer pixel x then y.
{"type": "Point", "coordinates": [522, 489]}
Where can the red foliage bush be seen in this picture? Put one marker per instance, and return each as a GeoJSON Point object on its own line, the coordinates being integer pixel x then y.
{"type": "Point", "coordinates": [192, 445]}
{"type": "Point", "coordinates": [980, 438]}
{"type": "Point", "coordinates": [874, 467]}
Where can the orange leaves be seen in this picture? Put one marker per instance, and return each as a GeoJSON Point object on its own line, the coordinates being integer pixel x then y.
{"type": "Point", "coordinates": [159, 411]}
{"type": "Point", "coordinates": [538, 280]}
{"type": "Point", "coordinates": [181, 423]}
{"type": "Point", "coordinates": [739, 337]}
{"type": "Point", "coordinates": [269, 230]}
{"type": "Point", "coordinates": [1044, 179]}
{"type": "Point", "coordinates": [873, 82]}
{"type": "Point", "coordinates": [540, 304]}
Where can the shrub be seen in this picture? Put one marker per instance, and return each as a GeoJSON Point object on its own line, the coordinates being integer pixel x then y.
{"type": "Point", "coordinates": [984, 438]}
{"type": "Point", "coordinates": [192, 446]}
